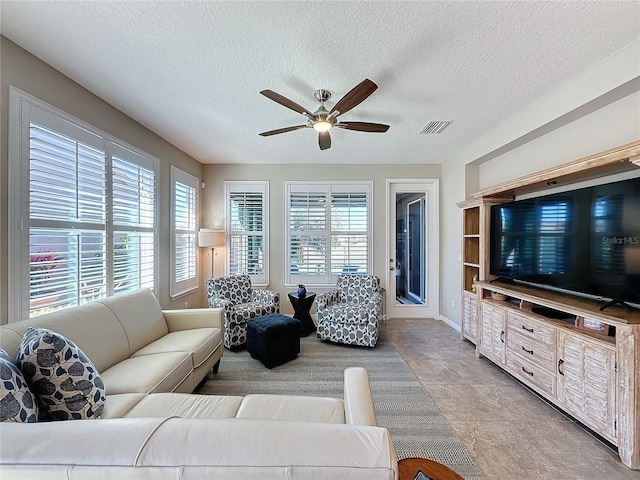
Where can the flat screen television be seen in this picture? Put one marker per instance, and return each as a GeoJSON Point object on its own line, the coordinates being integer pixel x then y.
{"type": "Point", "coordinates": [584, 241]}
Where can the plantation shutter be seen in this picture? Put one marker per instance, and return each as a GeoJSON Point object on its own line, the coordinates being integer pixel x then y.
{"type": "Point", "coordinates": [134, 200]}
{"type": "Point", "coordinates": [85, 206]}
{"type": "Point", "coordinates": [184, 273]}
{"type": "Point", "coordinates": [67, 214]}
{"type": "Point", "coordinates": [308, 227]}
{"type": "Point", "coordinates": [349, 233]}
{"type": "Point", "coordinates": [329, 231]}
{"type": "Point", "coordinates": [247, 230]}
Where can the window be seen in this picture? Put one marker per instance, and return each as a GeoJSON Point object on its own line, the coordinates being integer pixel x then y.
{"type": "Point", "coordinates": [329, 231]}
{"type": "Point", "coordinates": [83, 211]}
{"type": "Point", "coordinates": [247, 229]}
{"type": "Point", "coordinates": [184, 228]}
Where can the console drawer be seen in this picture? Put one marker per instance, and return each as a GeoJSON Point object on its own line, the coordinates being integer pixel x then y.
{"type": "Point", "coordinates": [531, 350]}
{"type": "Point", "coordinates": [532, 329]}
{"type": "Point", "coordinates": [530, 374]}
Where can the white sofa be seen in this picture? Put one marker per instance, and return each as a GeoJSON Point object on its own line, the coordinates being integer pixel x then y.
{"type": "Point", "coordinates": [149, 429]}
{"type": "Point", "coordinates": [136, 347]}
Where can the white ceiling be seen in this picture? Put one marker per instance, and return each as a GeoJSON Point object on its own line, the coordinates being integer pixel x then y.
{"type": "Point", "coordinates": [192, 71]}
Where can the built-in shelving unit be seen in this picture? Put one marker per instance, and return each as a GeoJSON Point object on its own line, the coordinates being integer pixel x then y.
{"type": "Point", "coordinates": [471, 269]}
{"type": "Point", "coordinates": [471, 247]}
{"type": "Point", "coordinates": [582, 359]}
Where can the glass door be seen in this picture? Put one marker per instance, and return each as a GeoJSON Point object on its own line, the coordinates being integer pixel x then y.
{"type": "Point", "coordinates": [412, 249]}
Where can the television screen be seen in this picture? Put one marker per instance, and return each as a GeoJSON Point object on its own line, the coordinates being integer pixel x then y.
{"type": "Point", "coordinates": [584, 241]}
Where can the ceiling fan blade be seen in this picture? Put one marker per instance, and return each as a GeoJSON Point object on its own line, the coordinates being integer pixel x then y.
{"type": "Point", "coordinates": [285, 102]}
{"type": "Point", "coordinates": [324, 139]}
{"type": "Point", "coordinates": [363, 126]}
{"type": "Point", "coordinates": [283, 130]}
{"type": "Point", "coordinates": [355, 96]}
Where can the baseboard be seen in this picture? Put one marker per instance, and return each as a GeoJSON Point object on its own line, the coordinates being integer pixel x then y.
{"type": "Point", "coordinates": [449, 322]}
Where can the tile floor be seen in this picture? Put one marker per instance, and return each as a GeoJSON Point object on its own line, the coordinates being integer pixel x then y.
{"type": "Point", "coordinates": [512, 433]}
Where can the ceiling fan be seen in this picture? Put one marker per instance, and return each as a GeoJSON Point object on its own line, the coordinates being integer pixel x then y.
{"type": "Point", "coordinates": [323, 120]}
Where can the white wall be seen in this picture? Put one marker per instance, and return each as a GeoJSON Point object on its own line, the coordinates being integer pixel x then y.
{"type": "Point", "coordinates": [612, 125]}
{"type": "Point", "coordinates": [596, 112]}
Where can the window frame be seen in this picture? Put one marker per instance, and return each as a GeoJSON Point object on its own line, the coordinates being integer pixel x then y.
{"type": "Point", "coordinates": [189, 285]}
{"type": "Point", "coordinates": [329, 189]}
{"type": "Point", "coordinates": [248, 187]}
{"type": "Point", "coordinates": [22, 109]}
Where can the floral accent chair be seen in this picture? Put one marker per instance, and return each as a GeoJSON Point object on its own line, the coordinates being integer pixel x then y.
{"type": "Point", "coordinates": [241, 303]}
{"type": "Point", "coordinates": [349, 314]}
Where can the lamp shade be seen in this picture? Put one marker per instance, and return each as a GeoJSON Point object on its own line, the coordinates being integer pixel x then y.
{"type": "Point", "coordinates": [211, 238]}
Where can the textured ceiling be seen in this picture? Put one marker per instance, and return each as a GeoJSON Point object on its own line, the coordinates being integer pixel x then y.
{"type": "Point", "coordinates": [192, 71]}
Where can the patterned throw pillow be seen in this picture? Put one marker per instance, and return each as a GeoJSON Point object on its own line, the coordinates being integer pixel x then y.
{"type": "Point", "coordinates": [17, 403]}
{"type": "Point", "coordinates": [65, 381]}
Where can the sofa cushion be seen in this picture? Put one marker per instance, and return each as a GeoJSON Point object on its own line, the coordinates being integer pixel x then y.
{"type": "Point", "coordinates": [160, 372]}
{"type": "Point", "coordinates": [186, 405]}
{"type": "Point", "coordinates": [118, 405]}
{"type": "Point", "coordinates": [200, 342]}
{"type": "Point", "coordinates": [17, 403]}
{"type": "Point", "coordinates": [314, 447]}
{"type": "Point", "coordinates": [67, 384]}
{"type": "Point", "coordinates": [103, 443]}
{"type": "Point", "coordinates": [140, 315]}
{"type": "Point", "coordinates": [291, 407]}
{"type": "Point", "coordinates": [86, 325]}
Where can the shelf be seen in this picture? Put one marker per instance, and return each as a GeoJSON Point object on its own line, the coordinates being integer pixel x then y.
{"type": "Point", "coordinates": [471, 273]}
{"type": "Point", "coordinates": [471, 249]}
{"type": "Point", "coordinates": [471, 221]}
{"type": "Point", "coordinates": [565, 302]}
{"type": "Point", "coordinates": [568, 324]}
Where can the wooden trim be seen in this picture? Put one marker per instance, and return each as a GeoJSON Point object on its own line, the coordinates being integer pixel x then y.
{"type": "Point", "coordinates": [469, 203]}
{"type": "Point", "coordinates": [616, 160]}
{"type": "Point", "coordinates": [628, 402]}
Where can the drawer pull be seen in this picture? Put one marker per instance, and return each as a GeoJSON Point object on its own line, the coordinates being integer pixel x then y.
{"type": "Point", "coordinates": [502, 336]}
{"type": "Point", "coordinates": [530, 330]}
{"type": "Point", "coordinates": [527, 371]}
{"type": "Point", "coordinates": [530, 352]}
{"type": "Point", "coordinates": [560, 363]}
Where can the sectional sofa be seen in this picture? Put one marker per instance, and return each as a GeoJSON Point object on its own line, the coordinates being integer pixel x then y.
{"type": "Point", "coordinates": [152, 427]}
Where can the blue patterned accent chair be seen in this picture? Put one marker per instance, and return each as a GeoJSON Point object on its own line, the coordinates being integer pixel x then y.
{"type": "Point", "coordinates": [349, 314]}
{"type": "Point", "coordinates": [240, 303]}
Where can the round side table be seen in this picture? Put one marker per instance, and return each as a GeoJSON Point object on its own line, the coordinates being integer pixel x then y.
{"type": "Point", "coordinates": [302, 307]}
{"type": "Point", "coordinates": [410, 468]}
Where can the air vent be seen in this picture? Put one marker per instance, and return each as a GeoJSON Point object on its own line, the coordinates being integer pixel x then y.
{"type": "Point", "coordinates": [433, 128]}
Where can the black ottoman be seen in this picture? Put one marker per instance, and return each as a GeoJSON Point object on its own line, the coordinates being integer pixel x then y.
{"type": "Point", "coordinates": [273, 339]}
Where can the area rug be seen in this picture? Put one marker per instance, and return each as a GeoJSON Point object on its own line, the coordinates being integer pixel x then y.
{"type": "Point", "coordinates": [402, 406]}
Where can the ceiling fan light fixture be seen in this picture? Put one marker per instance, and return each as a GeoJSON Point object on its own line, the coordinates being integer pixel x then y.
{"type": "Point", "coordinates": [323, 120]}
{"type": "Point", "coordinates": [322, 126]}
